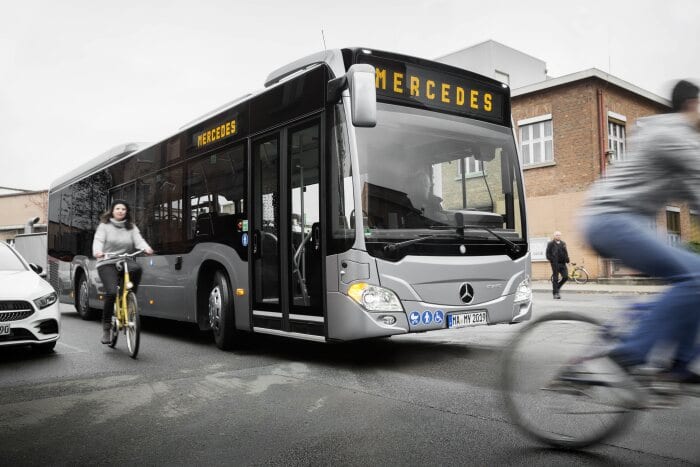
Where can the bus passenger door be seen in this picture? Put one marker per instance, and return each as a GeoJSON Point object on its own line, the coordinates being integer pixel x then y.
{"type": "Point", "coordinates": [306, 279]}
{"type": "Point", "coordinates": [287, 282]}
{"type": "Point", "coordinates": [266, 233]}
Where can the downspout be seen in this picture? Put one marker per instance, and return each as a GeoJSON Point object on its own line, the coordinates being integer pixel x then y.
{"type": "Point", "coordinates": [606, 264]}
{"type": "Point", "coordinates": [601, 133]}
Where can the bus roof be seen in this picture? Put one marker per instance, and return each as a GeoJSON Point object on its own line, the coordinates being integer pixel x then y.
{"type": "Point", "coordinates": [337, 60]}
{"type": "Point", "coordinates": [103, 160]}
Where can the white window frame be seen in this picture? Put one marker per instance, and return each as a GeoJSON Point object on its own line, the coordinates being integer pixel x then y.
{"type": "Point", "coordinates": [673, 238]}
{"type": "Point", "coordinates": [527, 125]}
{"type": "Point", "coordinates": [617, 142]}
{"type": "Point", "coordinates": [472, 169]}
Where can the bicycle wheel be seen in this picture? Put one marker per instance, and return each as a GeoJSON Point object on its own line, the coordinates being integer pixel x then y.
{"type": "Point", "coordinates": [133, 325]}
{"type": "Point", "coordinates": [580, 276]}
{"type": "Point", "coordinates": [552, 410]}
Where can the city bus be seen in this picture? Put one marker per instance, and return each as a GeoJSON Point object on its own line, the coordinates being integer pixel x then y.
{"type": "Point", "coordinates": [359, 194]}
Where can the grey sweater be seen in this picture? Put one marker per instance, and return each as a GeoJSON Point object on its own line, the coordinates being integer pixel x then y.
{"type": "Point", "coordinates": [114, 238]}
{"type": "Point", "coordinates": [664, 165]}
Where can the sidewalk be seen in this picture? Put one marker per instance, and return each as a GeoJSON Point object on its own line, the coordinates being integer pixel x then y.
{"type": "Point", "coordinates": [594, 287]}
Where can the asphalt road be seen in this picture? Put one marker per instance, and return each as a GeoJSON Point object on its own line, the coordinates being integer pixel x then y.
{"type": "Point", "coordinates": [424, 399]}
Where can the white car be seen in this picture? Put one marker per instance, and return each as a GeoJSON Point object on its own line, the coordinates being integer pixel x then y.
{"type": "Point", "coordinates": [28, 304]}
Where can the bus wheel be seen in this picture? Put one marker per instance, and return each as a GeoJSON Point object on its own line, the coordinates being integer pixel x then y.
{"type": "Point", "coordinates": [82, 303]}
{"type": "Point", "coordinates": [221, 317]}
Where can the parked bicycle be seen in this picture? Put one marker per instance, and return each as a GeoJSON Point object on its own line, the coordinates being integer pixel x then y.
{"type": "Point", "coordinates": [126, 309]}
{"type": "Point", "coordinates": [578, 274]}
{"type": "Point", "coordinates": [563, 390]}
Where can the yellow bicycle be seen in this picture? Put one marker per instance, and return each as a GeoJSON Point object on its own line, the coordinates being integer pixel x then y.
{"type": "Point", "coordinates": [126, 308]}
{"type": "Point", "coordinates": [578, 274]}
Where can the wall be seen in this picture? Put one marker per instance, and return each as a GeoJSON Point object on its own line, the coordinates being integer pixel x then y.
{"type": "Point", "coordinates": [16, 209]}
{"type": "Point", "coordinates": [556, 190]}
{"type": "Point", "coordinates": [490, 57]}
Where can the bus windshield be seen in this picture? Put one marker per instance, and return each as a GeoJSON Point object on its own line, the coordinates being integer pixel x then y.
{"type": "Point", "coordinates": [422, 172]}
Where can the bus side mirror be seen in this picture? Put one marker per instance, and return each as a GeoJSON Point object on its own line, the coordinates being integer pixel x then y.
{"type": "Point", "coordinates": [363, 95]}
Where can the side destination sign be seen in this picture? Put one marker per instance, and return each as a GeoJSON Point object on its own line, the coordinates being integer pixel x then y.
{"type": "Point", "coordinates": [216, 133]}
{"type": "Point", "coordinates": [410, 84]}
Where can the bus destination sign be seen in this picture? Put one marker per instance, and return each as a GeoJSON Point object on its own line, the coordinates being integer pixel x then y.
{"type": "Point", "coordinates": [216, 133]}
{"type": "Point", "coordinates": [411, 84]}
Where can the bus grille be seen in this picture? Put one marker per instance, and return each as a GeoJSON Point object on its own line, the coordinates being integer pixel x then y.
{"type": "Point", "coordinates": [15, 310]}
{"type": "Point", "coordinates": [53, 275]}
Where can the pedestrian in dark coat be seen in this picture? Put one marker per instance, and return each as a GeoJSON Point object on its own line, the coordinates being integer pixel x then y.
{"type": "Point", "coordinates": [558, 258]}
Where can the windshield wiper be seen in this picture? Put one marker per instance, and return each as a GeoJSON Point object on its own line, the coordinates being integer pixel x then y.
{"type": "Point", "coordinates": [513, 247]}
{"type": "Point", "coordinates": [392, 247]}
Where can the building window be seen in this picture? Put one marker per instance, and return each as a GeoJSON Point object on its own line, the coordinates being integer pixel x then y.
{"type": "Point", "coordinates": [695, 227]}
{"type": "Point", "coordinates": [472, 167]}
{"type": "Point", "coordinates": [673, 225]}
{"type": "Point", "coordinates": [616, 136]}
{"type": "Point", "coordinates": [536, 141]}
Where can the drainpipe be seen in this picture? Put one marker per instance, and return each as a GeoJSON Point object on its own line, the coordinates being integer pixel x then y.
{"type": "Point", "coordinates": [601, 132]}
{"type": "Point", "coordinates": [607, 264]}
{"type": "Point", "coordinates": [29, 226]}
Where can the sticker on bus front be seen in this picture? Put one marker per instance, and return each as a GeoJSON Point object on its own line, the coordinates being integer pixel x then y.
{"type": "Point", "coordinates": [439, 316]}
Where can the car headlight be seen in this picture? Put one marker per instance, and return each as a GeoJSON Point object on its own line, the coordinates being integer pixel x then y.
{"type": "Point", "coordinates": [46, 300]}
{"type": "Point", "coordinates": [523, 293]}
{"type": "Point", "coordinates": [374, 298]}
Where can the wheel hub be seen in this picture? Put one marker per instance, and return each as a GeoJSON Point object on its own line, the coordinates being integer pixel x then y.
{"type": "Point", "coordinates": [215, 308]}
{"type": "Point", "coordinates": [83, 299]}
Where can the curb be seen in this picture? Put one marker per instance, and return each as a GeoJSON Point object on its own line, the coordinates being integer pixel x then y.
{"type": "Point", "coordinates": [600, 288]}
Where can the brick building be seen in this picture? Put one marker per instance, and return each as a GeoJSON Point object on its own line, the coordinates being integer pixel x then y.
{"type": "Point", "coordinates": [570, 129]}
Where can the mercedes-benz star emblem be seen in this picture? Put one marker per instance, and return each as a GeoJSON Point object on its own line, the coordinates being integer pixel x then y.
{"type": "Point", "coordinates": [466, 292]}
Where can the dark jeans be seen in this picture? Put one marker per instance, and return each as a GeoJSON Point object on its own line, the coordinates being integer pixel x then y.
{"type": "Point", "coordinates": [673, 316]}
{"type": "Point", "coordinates": [559, 269]}
{"type": "Point", "coordinates": [111, 279]}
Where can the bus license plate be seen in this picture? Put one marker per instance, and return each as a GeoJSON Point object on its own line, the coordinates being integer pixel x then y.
{"type": "Point", "coordinates": [4, 329]}
{"type": "Point", "coordinates": [460, 320]}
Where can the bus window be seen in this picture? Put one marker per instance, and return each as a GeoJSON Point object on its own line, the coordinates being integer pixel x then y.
{"type": "Point", "coordinates": [167, 214]}
{"type": "Point", "coordinates": [341, 228]}
{"type": "Point", "coordinates": [217, 187]}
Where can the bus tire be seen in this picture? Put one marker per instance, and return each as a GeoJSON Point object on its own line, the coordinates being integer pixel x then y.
{"type": "Point", "coordinates": [82, 300]}
{"type": "Point", "coordinates": [220, 311]}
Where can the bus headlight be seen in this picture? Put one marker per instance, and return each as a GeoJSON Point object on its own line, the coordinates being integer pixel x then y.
{"type": "Point", "coordinates": [374, 298]}
{"type": "Point", "coordinates": [523, 293]}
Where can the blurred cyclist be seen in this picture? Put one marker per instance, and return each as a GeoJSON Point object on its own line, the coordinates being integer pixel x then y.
{"type": "Point", "coordinates": [664, 166]}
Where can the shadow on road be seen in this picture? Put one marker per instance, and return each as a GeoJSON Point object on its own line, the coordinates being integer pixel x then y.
{"type": "Point", "coordinates": [552, 456]}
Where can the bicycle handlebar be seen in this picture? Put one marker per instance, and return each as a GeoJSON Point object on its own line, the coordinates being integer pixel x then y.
{"type": "Point", "coordinates": [124, 255]}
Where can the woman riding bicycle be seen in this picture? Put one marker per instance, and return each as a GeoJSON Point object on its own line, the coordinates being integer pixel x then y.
{"type": "Point", "coordinates": [664, 166]}
{"type": "Point", "coordinates": [116, 234]}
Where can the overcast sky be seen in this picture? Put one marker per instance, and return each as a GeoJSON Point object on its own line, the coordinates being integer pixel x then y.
{"type": "Point", "coordinates": [80, 77]}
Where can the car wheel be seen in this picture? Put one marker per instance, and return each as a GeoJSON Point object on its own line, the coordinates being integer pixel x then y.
{"type": "Point", "coordinates": [82, 302]}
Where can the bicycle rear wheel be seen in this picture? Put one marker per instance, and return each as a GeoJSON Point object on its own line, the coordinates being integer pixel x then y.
{"type": "Point", "coordinates": [133, 325]}
{"type": "Point", "coordinates": [560, 411]}
{"type": "Point", "coordinates": [580, 276]}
